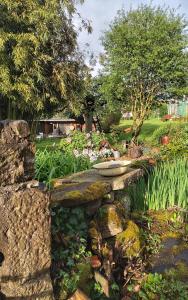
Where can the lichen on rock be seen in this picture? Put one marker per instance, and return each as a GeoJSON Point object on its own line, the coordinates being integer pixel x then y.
{"type": "Point", "coordinates": [75, 194]}
{"type": "Point", "coordinates": [95, 236]}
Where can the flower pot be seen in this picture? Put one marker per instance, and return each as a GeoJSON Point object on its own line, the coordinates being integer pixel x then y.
{"type": "Point", "coordinates": [165, 140]}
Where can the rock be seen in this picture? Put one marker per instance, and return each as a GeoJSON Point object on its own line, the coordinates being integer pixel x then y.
{"type": "Point", "coordinates": [79, 295]}
{"type": "Point", "coordinates": [76, 194]}
{"type": "Point", "coordinates": [103, 282]}
{"type": "Point", "coordinates": [109, 198]}
{"type": "Point", "coordinates": [25, 240]}
{"type": "Point", "coordinates": [128, 241]}
{"type": "Point", "coordinates": [95, 262]}
{"type": "Point", "coordinates": [16, 153]}
{"type": "Point", "coordinates": [109, 220]}
{"type": "Point", "coordinates": [123, 201]}
{"type": "Point", "coordinates": [135, 151]}
{"type": "Point", "coordinates": [95, 236]}
{"type": "Point", "coordinates": [93, 207]}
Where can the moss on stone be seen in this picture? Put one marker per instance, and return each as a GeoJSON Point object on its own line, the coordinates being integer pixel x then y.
{"type": "Point", "coordinates": [93, 192]}
{"type": "Point", "coordinates": [74, 195]}
{"type": "Point", "coordinates": [129, 240]}
{"type": "Point", "coordinates": [171, 234]}
{"type": "Point", "coordinates": [109, 220]}
{"type": "Point", "coordinates": [85, 275]}
{"type": "Point", "coordinates": [95, 236]}
{"type": "Point", "coordinates": [96, 190]}
{"type": "Point", "coordinates": [161, 216]}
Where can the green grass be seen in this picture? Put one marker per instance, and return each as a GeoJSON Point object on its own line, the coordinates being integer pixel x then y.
{"type": "Point", "coordinates": [47, 144]}
{"type": "Point", "coordinates": [148, 128]}
{"type": "Point", "coordinates": [55, 164]}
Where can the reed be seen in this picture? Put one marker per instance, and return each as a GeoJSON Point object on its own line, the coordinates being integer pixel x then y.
{"type": "Point", "coordinates": [166, 186]}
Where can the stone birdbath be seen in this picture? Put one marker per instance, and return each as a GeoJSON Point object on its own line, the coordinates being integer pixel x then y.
{"type": "Point", "coordinates": [112, 168]}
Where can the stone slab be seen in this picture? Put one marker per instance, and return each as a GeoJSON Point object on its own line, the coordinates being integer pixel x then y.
{"type": "Point", "coordinates": [79, 193]}
{"type": "Point", "coordinates": [91, 176]}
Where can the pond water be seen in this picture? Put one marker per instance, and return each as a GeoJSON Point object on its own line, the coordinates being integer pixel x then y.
{"type": "Point", "coordinates": [172, 259]}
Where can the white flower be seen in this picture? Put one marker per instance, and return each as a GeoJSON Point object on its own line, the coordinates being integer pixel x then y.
{"type": "Point", "coordinates": [76, 153]}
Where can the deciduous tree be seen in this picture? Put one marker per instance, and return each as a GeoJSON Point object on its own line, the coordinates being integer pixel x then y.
{"type": "Point", "coordinates": [145, 55]}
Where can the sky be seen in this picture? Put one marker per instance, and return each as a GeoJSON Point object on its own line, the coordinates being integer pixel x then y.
{"type": "Point", "coordinates": [102, 12]}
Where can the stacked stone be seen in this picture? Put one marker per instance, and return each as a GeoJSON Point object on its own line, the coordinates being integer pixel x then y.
{"type": "Point", "coordinates": [16, 153]}
{"type": "Point", "coordinates": [25, 250]}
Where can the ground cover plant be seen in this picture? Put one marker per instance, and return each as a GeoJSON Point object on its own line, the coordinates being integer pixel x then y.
{"type": "Point", "coordinates": [69, 249]}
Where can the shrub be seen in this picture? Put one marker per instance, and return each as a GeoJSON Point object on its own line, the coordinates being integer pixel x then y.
{"type": "Point", "coordinates": [109, 119]}
{"type": "Point", "coordinates": [79, 141]}
{"type": "Point", "coordinates": [158, 287]}
{"type": "Point", "coordinates": [178, 134]}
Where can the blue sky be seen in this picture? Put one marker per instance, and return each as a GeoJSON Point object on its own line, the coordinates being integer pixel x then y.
{"type": "Point", "coordinates": [102, 12]}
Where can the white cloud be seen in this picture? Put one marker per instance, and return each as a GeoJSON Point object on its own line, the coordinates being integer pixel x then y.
{"type": "Point", "coordinates": [102, 12]}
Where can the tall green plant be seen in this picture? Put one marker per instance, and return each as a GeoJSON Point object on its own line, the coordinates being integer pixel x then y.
{"type": "Point", "coordinates": [55, 164]}
{"type": "Point", "coordinates": [167, 186]}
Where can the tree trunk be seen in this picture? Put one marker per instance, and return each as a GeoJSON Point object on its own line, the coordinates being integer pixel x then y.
{"type": "Point", "coordinates": [88, 121]}
{"type": "Point", "coordinates": [137, 126]}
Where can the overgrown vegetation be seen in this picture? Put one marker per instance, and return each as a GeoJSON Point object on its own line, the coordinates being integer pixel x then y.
{"type": "Point", "coordinates": [55, 164]}
{"type": "Point", "coordinates": [80, 140]}
{"type": "Point", "coordinates": [69, 249]}
{"type": "Point", "coordinates": [158, 287]}
{"type": "Point", "coordinates": [178, 140]}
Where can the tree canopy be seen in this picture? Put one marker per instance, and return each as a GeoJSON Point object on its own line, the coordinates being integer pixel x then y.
{"type": "Point", "coordinates": [145, 55]}
{"type": "Point", "coordinates": [39, 57]}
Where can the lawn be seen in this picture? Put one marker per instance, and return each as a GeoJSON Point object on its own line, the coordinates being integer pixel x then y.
{"type": "Point", "coordinates": [47, 143]}
{"type": "Point", "coordinates": [148, 128]}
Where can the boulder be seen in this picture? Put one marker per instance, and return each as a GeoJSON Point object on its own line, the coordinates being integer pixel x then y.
{"type": "Point", "coordinates": [103, 282]}
{"type": "Point", "coordinates": [79, 295]}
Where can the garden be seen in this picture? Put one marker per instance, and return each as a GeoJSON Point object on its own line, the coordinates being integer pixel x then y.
{"type": "Point", "coordinates": [98, 204]}
{"type": "Point", "coordinates": [148, 259]}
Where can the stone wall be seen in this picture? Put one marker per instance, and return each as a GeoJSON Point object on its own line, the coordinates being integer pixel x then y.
{"type": "Point", "coordinates": [25, 250]}
{"type": "Point", "coordinates": [25, 223]}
